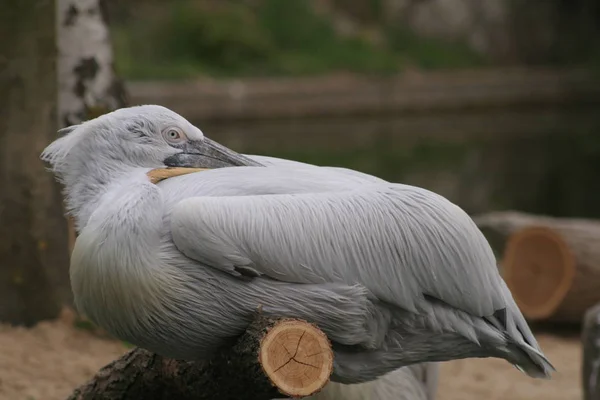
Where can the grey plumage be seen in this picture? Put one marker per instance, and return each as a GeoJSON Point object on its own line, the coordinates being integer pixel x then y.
{"type": "Point", "coordinates": [394, 274]}
{"type": "Point", "coordinates": [413, 382]}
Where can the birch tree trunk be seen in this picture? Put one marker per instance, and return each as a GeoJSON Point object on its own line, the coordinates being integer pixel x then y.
{"type": "Point", "coordinates": [87, 83]}
{"type": "Point", "coordinates": [33, 234]}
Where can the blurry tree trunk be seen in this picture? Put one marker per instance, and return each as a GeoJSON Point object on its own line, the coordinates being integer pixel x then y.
{"type": "Point", "coordinates": [88, 84]}
{"type": "Point", "coordinates": [33, 234]}
{"type": "Point", "coordinates": [590, 376]}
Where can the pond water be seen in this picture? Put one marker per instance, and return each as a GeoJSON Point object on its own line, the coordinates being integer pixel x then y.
{"type": "Point", "coordinates": [544, 160]}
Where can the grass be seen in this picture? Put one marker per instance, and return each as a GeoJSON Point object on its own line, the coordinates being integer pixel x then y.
{"type": "Point", "coordinates": [274, 37]}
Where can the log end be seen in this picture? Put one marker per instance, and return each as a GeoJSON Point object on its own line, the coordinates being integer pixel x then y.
{"type": "Point", "coordinates": [297, 358]}
{"type": "Point", "coordinates": [539, 270]}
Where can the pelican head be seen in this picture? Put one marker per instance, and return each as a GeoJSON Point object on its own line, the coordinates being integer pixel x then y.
{"type": "Point", "coordinates": [148, 136]}
{"type": "Point", "coordinates": [91, 155]}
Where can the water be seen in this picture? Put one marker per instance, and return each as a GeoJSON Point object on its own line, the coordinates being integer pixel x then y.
{"type": "Point", "coordinates": [542, 160]}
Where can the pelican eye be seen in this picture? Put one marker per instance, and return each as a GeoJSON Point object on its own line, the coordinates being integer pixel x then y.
{"type": "Point", "coordinates": [173, 135]}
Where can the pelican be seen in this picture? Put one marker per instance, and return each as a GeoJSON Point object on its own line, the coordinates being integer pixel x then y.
{"type": "Point", "coordinates": [413, 382]}
{"type": "Point", "coordinates": [395, 275]}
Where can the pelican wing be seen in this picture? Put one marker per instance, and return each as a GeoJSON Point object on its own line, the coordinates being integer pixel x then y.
{"type": "Point", "coordinates": [282, 162]}
{"type": "Point", "coordinates": [399, 241]}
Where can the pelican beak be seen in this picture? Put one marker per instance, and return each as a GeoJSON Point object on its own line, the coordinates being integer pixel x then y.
{"type": "Point", "coordinates": [207, 153]}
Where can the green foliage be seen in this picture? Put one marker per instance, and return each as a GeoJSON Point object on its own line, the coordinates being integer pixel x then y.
{"type": "Point", "coordinates": [430, 53]}
{"type": "Point", "coordinates": [227, 36]}
{"type": "Point", "coordinates": [293, 25]}
{"type": "Point", "coordinates": [271, 37]}
{"type": "Point", "coordinates": [139, 51]}
{"type": "Point", "coordinates": [192, 40]}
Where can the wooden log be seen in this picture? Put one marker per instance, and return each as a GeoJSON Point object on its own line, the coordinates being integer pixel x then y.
{"type": "Point", "coordinates": [590, 376]}
{"type": "Point", "coordinates": [273, 357]}
{"type": "Point", "coordinates": [498, 226]}
{"type": "Point", "coordinates": [551, 265]}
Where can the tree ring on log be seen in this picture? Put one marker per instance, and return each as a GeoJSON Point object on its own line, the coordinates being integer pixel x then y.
{"type": "Point", "coordinates": [297, 357]}
{"type": "Point", "coordinates": [539, 270]}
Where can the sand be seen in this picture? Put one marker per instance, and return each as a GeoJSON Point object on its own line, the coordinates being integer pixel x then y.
{"type": "Point", "coordinates": [48, 361]}
{"type": "Point", "coordinates": [492, 379]}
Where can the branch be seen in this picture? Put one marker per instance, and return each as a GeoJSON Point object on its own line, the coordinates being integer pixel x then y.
{"type": "Point", "coordinates": [273, 357]}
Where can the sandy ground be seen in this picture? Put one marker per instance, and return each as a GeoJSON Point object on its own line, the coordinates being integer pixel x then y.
{"type": "Point", "coordinates": [48, 361]}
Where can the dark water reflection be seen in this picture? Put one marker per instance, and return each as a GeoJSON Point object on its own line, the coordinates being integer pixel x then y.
{"type": "Point", "coordinates": [538, 160]}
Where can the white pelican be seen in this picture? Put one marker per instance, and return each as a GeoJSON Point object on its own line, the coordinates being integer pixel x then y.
{"type": "Point", "coordinates": [394, 274]}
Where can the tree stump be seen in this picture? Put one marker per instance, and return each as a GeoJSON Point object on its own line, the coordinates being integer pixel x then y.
{"type": "Point", "coordinates": [287, 357]}
{"type": "Point", "coordinates": [551, 265]}
{"type": "Point", "coordinates": [590, 377]}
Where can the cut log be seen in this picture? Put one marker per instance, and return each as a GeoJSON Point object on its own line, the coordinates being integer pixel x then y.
{"type": "Point", "coordinates": [297, 358]}
{"type": "Point", "coordinates": [273, 357]}
{"type": "Point", "coordinates": [498, 226]}
{"type": "Point", "coordinates": [590, 377]}
{"type": "Point", "coordinates": [551, 265]}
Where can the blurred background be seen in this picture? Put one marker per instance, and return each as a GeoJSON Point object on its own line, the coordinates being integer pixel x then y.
{"type": "Point", "coordinates": [487, 102]}
{"type": "Point", "coordinates": [491, 103]}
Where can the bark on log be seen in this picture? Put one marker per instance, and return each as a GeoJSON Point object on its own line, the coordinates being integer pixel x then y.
{"type": "Point", "coordinates": [273, 357]}
{"type": "Point", "coordinates": [551, 265]}
{"type": "Point", "coordinates": [590, 377]}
